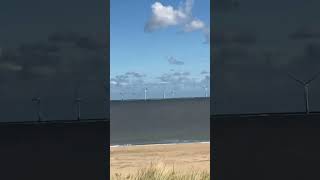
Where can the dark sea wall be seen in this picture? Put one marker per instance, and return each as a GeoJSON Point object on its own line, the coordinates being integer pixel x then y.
{"type": "Point", "coordinates": [273, 147]}
{"type": "Point", "coordinates": [56, 150]}
{"type": "Point", "coordinates": [160, 121]}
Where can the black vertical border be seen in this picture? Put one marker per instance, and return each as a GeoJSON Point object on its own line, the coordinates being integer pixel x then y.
{"type": "Point", "coordinates": [107, 62]}
{"type": "Point", "coordinates": [212, 139]}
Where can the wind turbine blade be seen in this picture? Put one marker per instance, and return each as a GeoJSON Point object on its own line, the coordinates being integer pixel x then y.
{"type": "Point", "coordinates": [294, 78]}
{"type": "Point", "coordinates": [313, 78]}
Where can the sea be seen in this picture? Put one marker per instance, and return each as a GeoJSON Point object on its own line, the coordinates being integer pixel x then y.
{"type": "Point", "coordinates": [159, 121]}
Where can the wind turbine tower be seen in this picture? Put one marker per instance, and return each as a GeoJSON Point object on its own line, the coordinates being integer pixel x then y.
{"type": "Point", "coordinates": [172, 93]}
{"type": "Point", "coordinates": [37, 101]}
{"type": "Point", "coordinates": [106, 98]}
{"type": "Point", "coordinates": [205, 91]}
{"type": "Point", "coordinates": [145, 93]}
{"type": "Point", "coordinates": [78, 101]}
{"type": "Point", "coordinates": [305, 84]}
{"type": "Point", "coordinates": [121, 94]}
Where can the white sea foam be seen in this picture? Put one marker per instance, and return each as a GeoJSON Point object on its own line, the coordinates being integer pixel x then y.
{"type": "Point", "coordinates": [162, 144]}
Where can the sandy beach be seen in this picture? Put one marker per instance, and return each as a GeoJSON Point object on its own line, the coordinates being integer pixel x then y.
{"type": "Point", "coordinates": [183, 157]}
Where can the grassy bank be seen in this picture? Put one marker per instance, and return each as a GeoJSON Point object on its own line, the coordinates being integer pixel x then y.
{"type": "Point", "coordinates": [158, 172]}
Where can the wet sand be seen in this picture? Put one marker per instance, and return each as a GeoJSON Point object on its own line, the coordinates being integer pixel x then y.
{"type": "Point", "coordinates": [183, 157]}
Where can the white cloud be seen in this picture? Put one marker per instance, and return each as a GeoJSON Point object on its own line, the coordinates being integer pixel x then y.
{"type": "Point", "coordinates": [164, 16]}
{"type": "Point", "coordinates": [170, 82]}
{"type": "Point", "coordinates": [189, 6]}
{"type": "Point", "coordinates": [167, 16]}
{"type": "Point", "coordinates": [113, 82]}
{"type": "Point", "coordinates": [194, 25]}
{"type": "Point", "coordinates": [127, 79]}
{"type": "Point", "coordinates": [206, 32]}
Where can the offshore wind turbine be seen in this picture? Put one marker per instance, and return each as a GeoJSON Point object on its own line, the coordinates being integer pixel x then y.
{"type": "Point", "coordinates": [107, 97]}
{"type": "Point", "coordinates": [164, 94]}
{"type": "Point", "coordinates": [172, 93]}
{"type": "Point", "coordinates": [37, 101]}
{"type": "Point", "coordinates": [205, 88]}
{"type": "Point", "coordinates": [122, 94]}
{"type": "Point", "coordinates": [164, 88]}
{"type": "Point", "coordinates": [145, 93]}
{"type": "Point", "coordinates": [305, 84]}
{"type": "Point", "coordinates": [206, 91]}
{"type": "Point", "coordinates": [78, 102]}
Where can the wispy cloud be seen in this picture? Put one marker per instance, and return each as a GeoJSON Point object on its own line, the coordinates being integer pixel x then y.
{"type": "Point", "coordinates": [49, 59]}
{"type": "Point", "coordinates": [305, 33]}
{"type": "Point", "coordinates": [194, 25]}
{"type": "Point", "coordinates": [235, 38]}
{"type": "Point", "coordinates": [174, 61]}
{"type": "Point", "coordinates": [7, 66]}
{"type": "Point", "coordinates": [175, 77]}
{"type": "Point", "coordinates": [131, 84]}
{"type": "Point", "coordinates": [135, 74]}
{"type": "Point", "coordinates": [79, 41]}
{"type": "Point", "coordinates": [204, 72]}
{"type": "Point", "coordinates": [127, 79]}
{"type": "Point", "coordinates": [119, 80]}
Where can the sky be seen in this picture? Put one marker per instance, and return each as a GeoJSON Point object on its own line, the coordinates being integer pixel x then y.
{"type": "Point", "coordinates": [256, 45]}
{"type": "Point", "coordinates": [56, 55]}
{"type": "Point", "coordinates": [159, 45]}
{"type": "Point", "coordinates": [50, 53]}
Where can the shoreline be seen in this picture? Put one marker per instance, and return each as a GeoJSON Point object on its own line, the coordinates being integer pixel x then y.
{"type": "Point", "coordinates": [159, 144]}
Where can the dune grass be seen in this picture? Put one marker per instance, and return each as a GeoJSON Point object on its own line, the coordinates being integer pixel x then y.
{"type": "Point", "coordinates": [156, 172]}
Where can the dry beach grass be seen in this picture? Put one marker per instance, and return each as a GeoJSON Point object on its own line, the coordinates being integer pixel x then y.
{"type": "Point", "coordinates": [156, 172]}
{"type": "Point", "coordinates": [157, 162]}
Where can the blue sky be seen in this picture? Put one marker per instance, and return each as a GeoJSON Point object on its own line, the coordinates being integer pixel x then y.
{"type": "Point", "coordinates": [159, 45]}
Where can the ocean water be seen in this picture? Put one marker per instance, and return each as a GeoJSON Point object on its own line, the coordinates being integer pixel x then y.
{"type": "Point", "coordinates": [169, 121]}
